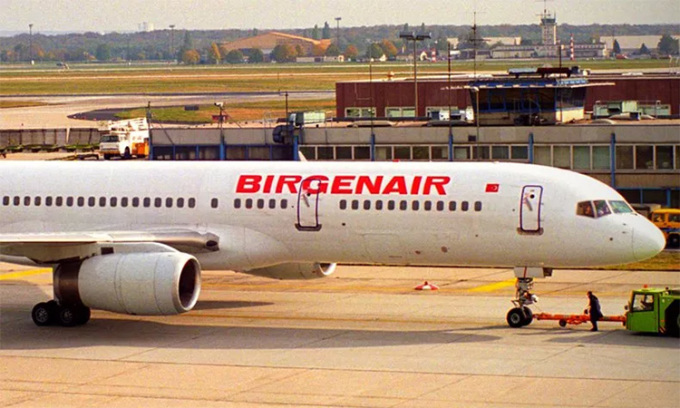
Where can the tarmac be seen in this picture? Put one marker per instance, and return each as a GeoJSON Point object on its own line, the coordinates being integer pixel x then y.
{"type": "Point", "coordinates": [360, 338]}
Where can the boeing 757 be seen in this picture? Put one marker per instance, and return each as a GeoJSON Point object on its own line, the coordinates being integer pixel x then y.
{"type": "Point", "coordinates": [134, 237]}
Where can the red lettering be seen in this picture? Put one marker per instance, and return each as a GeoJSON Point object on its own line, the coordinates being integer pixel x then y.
{"type": "Point", "coordinates": [365, 182]}
{"type": "Point", "coordinates": [396, 185]}
{"type": "Point", "coordinates": [315, 185]}
{"type": "Point", "coordinates": [288, 181]}
{"type": "Point", "coordinates": [438, 182]}
{"type": "Point", "coordinates": [342, 185]}
{"type": "Point", "coordinates": [415, 186]}
{"type": "Point", "coordinates": [268, 181]}
{"type": "Point", "coordinates": [248, 184]}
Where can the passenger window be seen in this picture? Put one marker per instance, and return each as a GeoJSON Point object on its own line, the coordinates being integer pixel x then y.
{"type": "Point", "coordinates": [284, 203]}
{"type": "Point", "coordinates": [124, 202]}
{"type": "Point", "coordinates": [249, 203]}
{"type": "Point", "coordinates": [601, 208]}
{"type": "Point", "coordinates": [135, 201]}
{"type": "Point", "coordinates": [214, 203]}
{"type": "Point", "coordinates": [428, 206]}
{"type": "Point", "coordinates": [102, 201]}
{"type": "Point", "coordinates": [367, 204]}
{"type": "Point", "coordinates": [464, 206]}
{"type": "Point", "coordinates": [379, 205]}
{"type": "Point", "coordinates": [69, 201]}
{"type": "Point", "coordinates": [343, 204]}
{"type": "Point", "coordinates": [440, 206]}
{"type": "Point", "coordinates": [415, 205]}
{"type": "Point", "coordinates": [180, 203]}
{"type": "Point", "coordinates": [59, 201]}
{"type": "Point", "coordinates": [27, 201]}
{"type": "Point", "coordinates": [146, 202]}
{"type": "Point", "coordinates": [260, 203]}
{"type": "Point", "coordinates": [158, 202]}
{"type": "Point", "coordinates": [478, 206]}
{"type": "Point", "coordinates": [403, 205]}
{"type": "Point", "coordinates": [113, 201]}
{"type": "Point", "coordinates": [48, 201]}
{"type": "Point", "coordinates": [168, 202]}
{"type": "Point", "coordinates": [5, 200]}
{"type": "Point", "coordinates": [391, 205]}
{"type": "Point", "coordinates": [452, 206]}
{"type": "Point", "coordinates": [192, 202]}
{"type": "Point", "coordinates": [585, 208]}
{"type": "Point", "coordinates": [237, 203]}
{"type": "Point", "coordinates": [90, 201]}
{"type": "Point", "coordinates": [355, 204]}
{"type": "Point", "coordinates": [80, 201]}
{"type": "Point", "coordinates": [272, 203]}
{"type": "Point", "coordinates": [17, 200]}
{"type": "Point", "coordinates": [37, 201]}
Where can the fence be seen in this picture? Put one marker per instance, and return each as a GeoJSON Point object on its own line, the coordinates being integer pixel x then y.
{"type": "Point", "coordinates": [49, 139]}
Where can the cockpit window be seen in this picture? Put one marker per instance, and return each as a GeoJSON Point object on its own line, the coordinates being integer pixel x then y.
{"type": "Point", "coordinates": [601, 208]}
{"type": "Point", "coordinates": [585, 208]}
{"type": "Point", "coordinates": [620, 207]}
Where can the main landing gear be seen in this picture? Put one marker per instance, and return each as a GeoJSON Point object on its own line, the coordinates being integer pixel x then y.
{"type": "Point", "coordinates": [521, 314]}
{"type": "Point", "coordinates": [50, 313]}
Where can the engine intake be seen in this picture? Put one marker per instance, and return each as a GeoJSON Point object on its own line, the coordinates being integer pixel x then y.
{"type": "Point", "coordinates": [138, 283]}
{"type": "Point", "coordinates": [313, 270]}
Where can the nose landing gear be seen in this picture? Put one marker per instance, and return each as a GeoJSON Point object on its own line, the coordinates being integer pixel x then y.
{"type": "Point", "coordinates": [521, 314]}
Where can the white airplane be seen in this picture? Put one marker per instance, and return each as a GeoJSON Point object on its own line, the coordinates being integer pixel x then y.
{"type": "Point", "coordinates": [133, 237]}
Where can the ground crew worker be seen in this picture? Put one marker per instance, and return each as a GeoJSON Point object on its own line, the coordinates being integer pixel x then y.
{"type": "Point", "coordinates": [594, 310]}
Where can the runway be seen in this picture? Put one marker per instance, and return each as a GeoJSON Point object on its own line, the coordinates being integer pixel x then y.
{"type": "Point", "coordinates": [360, 338]}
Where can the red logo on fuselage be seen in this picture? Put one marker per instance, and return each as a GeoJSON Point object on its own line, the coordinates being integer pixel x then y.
{"type": "Point", "coordinates": [343, 184]}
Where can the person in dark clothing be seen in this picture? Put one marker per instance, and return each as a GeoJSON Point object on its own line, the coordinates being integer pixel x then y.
{"type": "Point", "coordinates": [594, 310]}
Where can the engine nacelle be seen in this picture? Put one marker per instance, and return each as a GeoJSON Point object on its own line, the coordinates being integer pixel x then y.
{"type": "Point", "coordinates": [312, 270]}
{"type": "Point", "coordinates": [138, 283]}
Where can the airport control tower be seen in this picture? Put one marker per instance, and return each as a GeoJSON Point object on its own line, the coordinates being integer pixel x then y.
{"type": "Point", "coordinates": [549, 26]}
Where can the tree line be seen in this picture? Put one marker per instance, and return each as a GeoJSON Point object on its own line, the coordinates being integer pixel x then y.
{"type": "Point", "coordinates": [206, 46]}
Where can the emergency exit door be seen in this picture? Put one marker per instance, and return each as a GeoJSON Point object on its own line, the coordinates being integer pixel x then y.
{"type": "Point", "coordinates": [309, 197]}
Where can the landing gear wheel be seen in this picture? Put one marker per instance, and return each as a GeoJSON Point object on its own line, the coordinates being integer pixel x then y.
{"type": "Point", "coordinates": [528, 316]}
{"type": "Point", "coordinates": [73, 315]}
{"type": "Point", "coordinates": [516, 317]}
{"type": "Point", "coordinates": [43, 314]}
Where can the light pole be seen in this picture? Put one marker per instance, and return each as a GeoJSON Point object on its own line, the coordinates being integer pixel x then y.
{"type": "Point", "coordinates": [337, 33]}
{"type": "Point", "coordinates": [30, 44]}
{"type": "Point", "coordinates": [475, 90]}
{"type": "Point", "coordinates": [172, 42]}
{"type": "Point", "coordinates": [415, 37]}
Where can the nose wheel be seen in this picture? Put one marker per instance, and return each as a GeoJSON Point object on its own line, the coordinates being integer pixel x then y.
{"type": "Point", "coordinates": [521, 314]}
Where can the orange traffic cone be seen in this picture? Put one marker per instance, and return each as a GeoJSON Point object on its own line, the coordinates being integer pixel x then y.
{"type": "Point", "coordinates": [427, 286]}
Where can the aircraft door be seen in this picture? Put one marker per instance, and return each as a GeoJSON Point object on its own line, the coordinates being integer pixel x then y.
{"type": "Point", "coordinates": [309, 194]}
{"type": "Point", "coordinates": [530, 210]}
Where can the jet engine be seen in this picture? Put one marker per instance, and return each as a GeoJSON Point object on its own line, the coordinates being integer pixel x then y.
{"type": "Point", "coordinates": [135, 283]}
{"type": "Point", "coordinates": [312, 270]}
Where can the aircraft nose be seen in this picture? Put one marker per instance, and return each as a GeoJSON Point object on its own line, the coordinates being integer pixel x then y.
{"type": "Point", "coordinates": [648, 240]}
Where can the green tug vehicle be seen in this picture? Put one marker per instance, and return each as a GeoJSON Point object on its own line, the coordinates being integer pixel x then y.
{"type": "Point", "coordinates": [654, 311]}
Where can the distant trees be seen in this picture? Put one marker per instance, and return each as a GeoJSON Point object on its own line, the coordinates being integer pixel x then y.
{"type": "Point", "coordinates": [668, 46]}
{"type": "Point", "coordinates": [332, 51]}
{"type": "Point", "coordinates": [388, 49]}
{"type": "Point", "coordinates": [255, 56]}
{"type": "Point", "coordinates": [284, 53]}
{"type": "Point", "coordinates": [616, 48]}
{"type": "Point", "coordinates": [351, 52]}
{"type": "Point", "coordinates": [326, 32]}
{"type": "Point", "coordinates": [103, 52]}
{"type": "Point", "coordinates": [234, 57]}
{"type": "Point", "coordinates": [374, 51]}
{"type": "Point", "coordinates": [644, 50]}
{"type": "Point", "coordinates": [191, 57]}
{"type": "Point", "coordinates": [214, 54]}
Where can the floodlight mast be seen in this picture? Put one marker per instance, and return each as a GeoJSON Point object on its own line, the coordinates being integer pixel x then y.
{"type": "Point", "coordinates": [415, 37]}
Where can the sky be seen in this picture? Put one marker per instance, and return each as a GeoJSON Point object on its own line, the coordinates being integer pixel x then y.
{"type": "Point", "coordinates": [126, 15]}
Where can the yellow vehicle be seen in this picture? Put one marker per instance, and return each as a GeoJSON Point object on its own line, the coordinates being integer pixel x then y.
{"type": "Point", "coordinates": [668, 221]}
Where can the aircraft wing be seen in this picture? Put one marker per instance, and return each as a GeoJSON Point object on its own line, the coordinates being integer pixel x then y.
{"type": "Point", "coordinates": [55, 247]}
